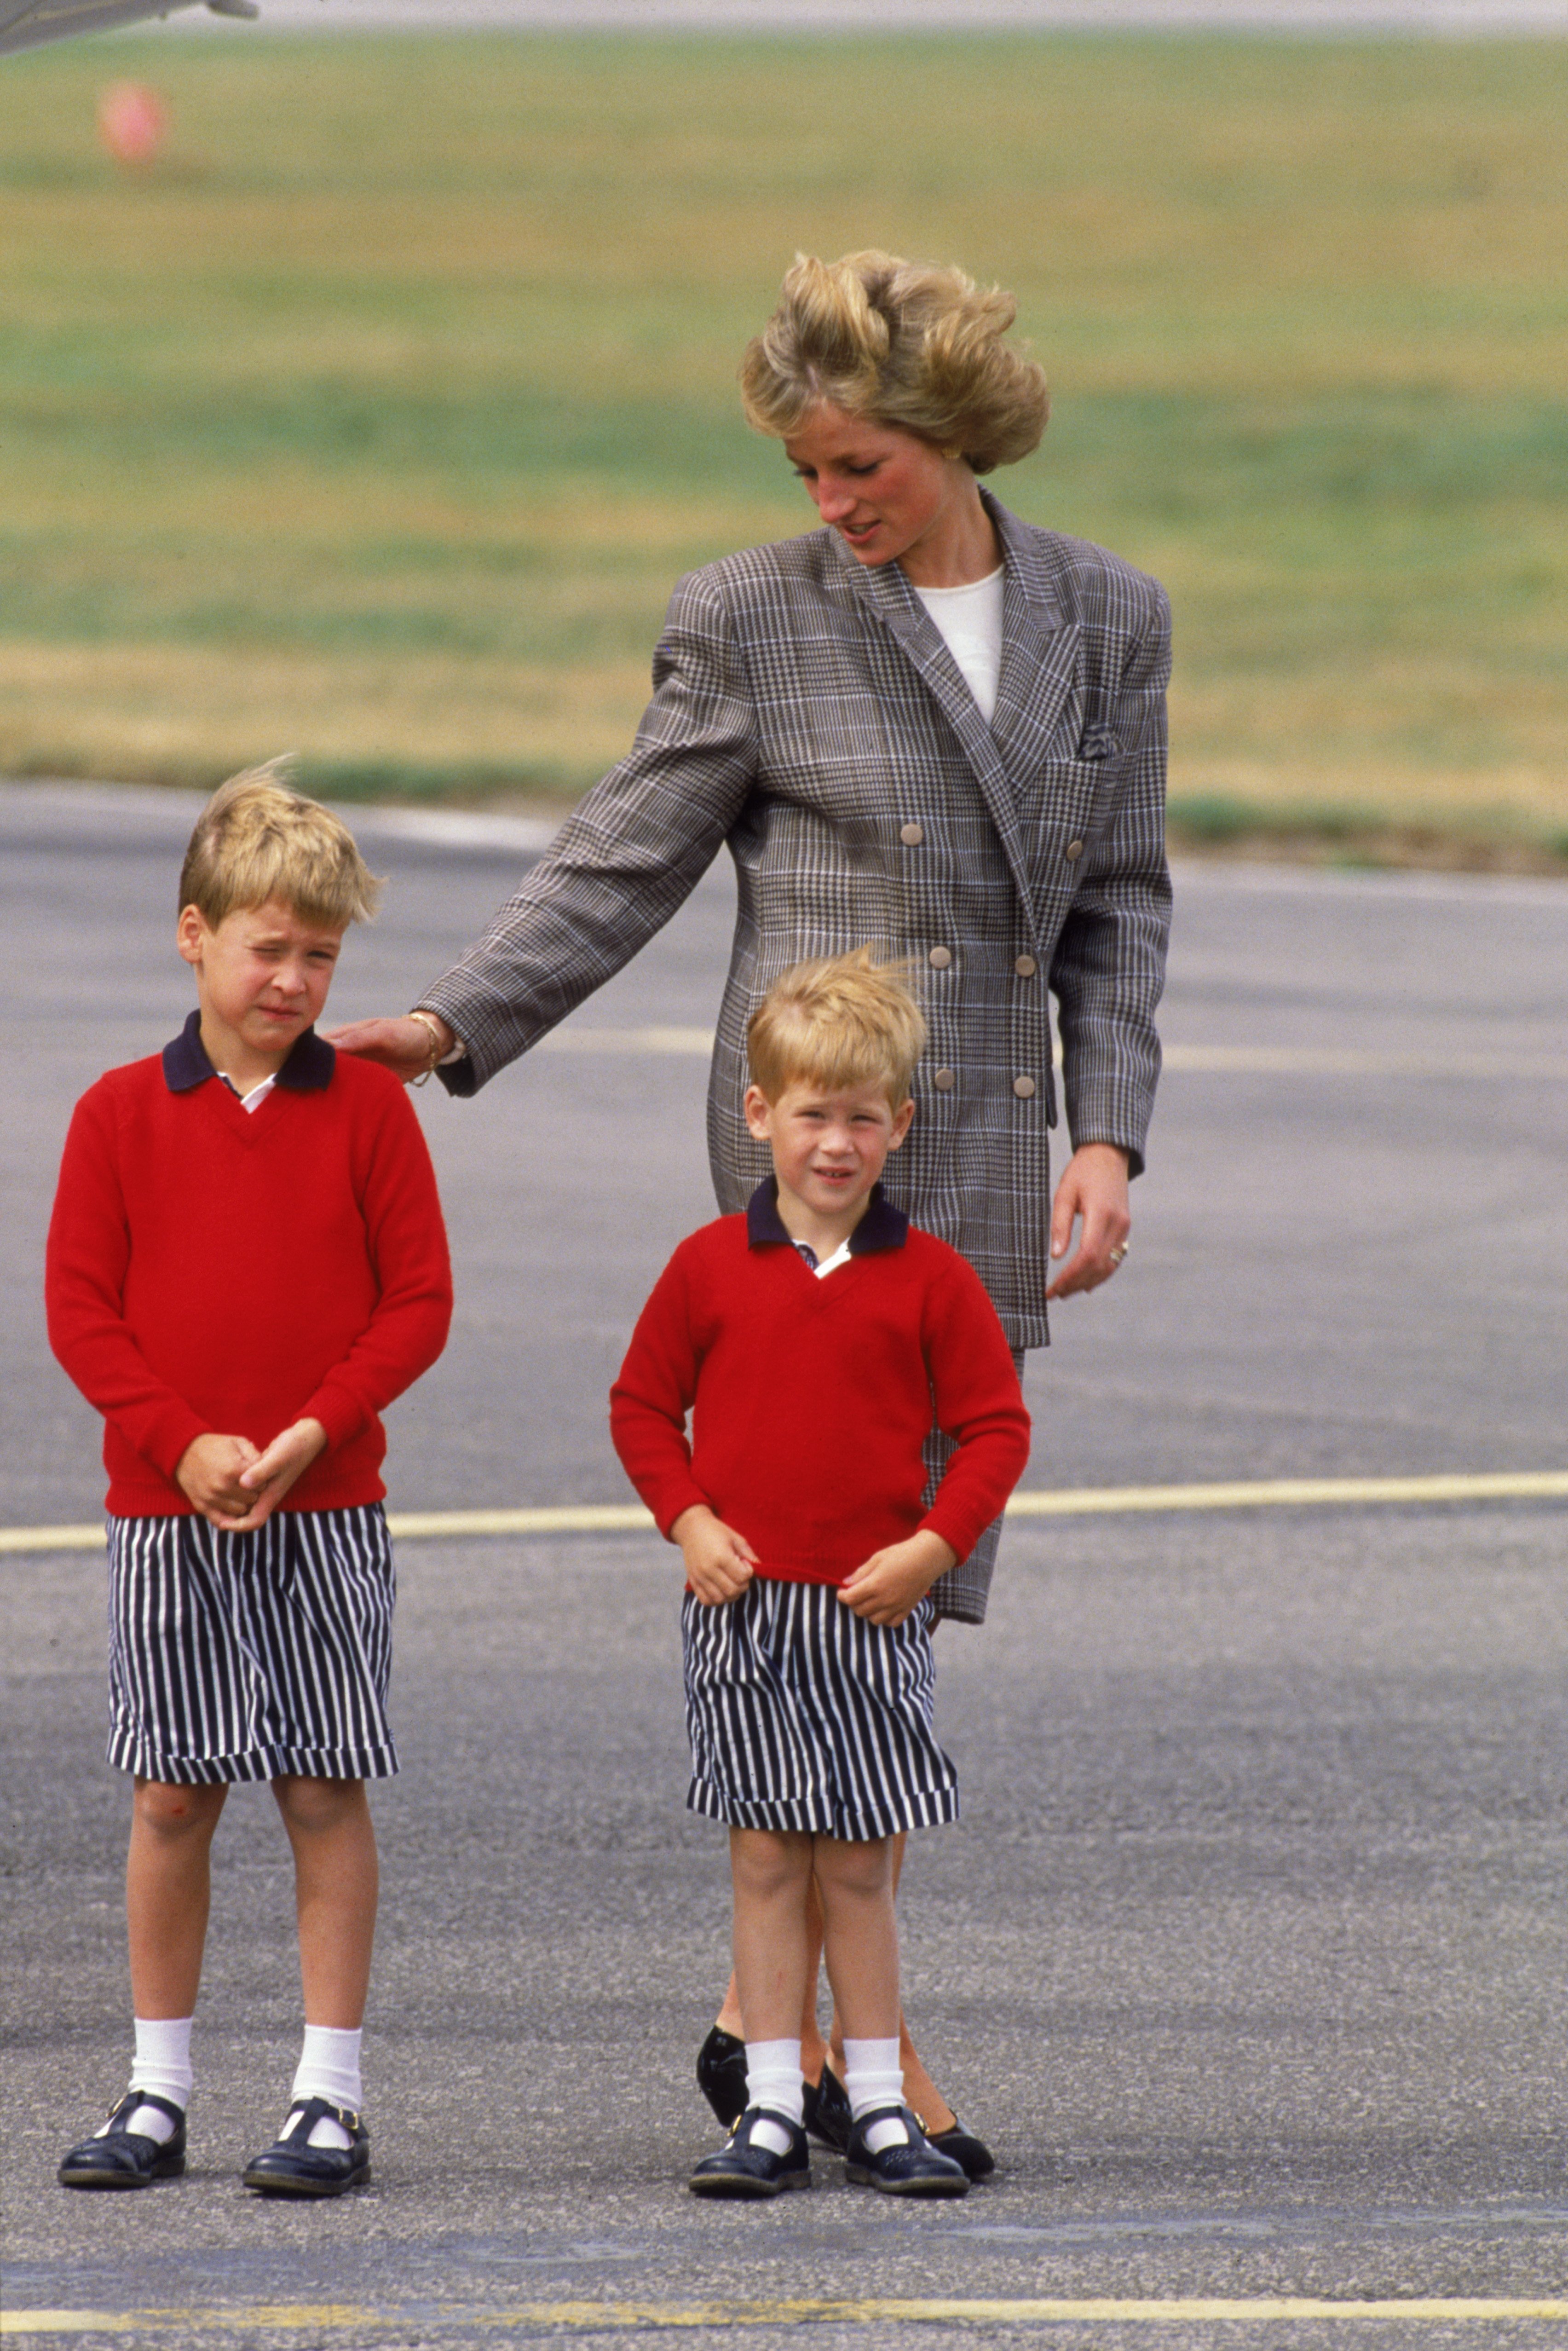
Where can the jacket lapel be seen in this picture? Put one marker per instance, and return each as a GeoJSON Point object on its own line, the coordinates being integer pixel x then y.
{"type": "Point", "coordinates": [1038, 658]}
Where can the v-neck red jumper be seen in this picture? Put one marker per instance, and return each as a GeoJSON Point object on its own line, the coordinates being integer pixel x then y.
{"type": "Point", "coordinates": [810, 1399]}
{"type": "Point", "coordinates": [213, 1269]}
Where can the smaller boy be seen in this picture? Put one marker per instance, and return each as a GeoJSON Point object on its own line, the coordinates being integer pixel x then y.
{"type": "Point", "coordinates": [812, 1339]}
{"type": "Point", "coordinates": [246, 1264]}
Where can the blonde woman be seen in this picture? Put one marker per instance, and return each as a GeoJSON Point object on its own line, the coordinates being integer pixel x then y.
{"type": "Point", "coordinates": [926, 727]}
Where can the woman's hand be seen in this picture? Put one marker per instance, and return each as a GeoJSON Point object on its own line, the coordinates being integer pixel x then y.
{"type": "Point", "coordinates": [403, 1046]}
{"type": "Point", "coordinates": [718, 1560]}
{"type": "Point", "coordinates": [1093, 1188]}
{"type": "Point", "coordinates": [885, 1588]}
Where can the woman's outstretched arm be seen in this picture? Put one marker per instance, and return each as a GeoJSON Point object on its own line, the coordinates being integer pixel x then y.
{"type": "Point", "coordinates": [622, 864]}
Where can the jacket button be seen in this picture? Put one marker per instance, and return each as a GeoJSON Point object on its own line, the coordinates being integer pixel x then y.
{"type": "Point", "coordinates": [1023, 1088]}
{"type": "Point", "coordinates": [940, 958]}
{"type": "Point", "coordinates": [1026, 967]}
{"type": "Point", "coordinates": [912, 835]}
{"type": "Point", "coordinates": [943, 1080]}
{"type": "Point", "coordinates": [1073, 849]}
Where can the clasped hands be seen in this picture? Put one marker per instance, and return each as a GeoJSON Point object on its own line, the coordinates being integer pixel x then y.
{"type": "Point", "coordinates": [883, 1589]}
{"type": "Point", "coordinates": [236, 1487]}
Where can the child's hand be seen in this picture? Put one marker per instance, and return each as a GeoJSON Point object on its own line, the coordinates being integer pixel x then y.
{"type": "Point", "coordinates": [718, 1561]}
{"type": "Point", "coordinates": [208, 1474]}
{"type": "Point", "coordinates": [889, 1583]}
{"type": "Point", "coordinates": [271, 1474]}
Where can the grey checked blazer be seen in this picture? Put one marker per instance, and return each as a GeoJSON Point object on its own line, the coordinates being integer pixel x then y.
{"type": "Point", "coordinates": [807, 712]}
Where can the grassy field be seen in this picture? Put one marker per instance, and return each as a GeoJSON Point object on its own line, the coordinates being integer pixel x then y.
{"type": "Point", "coordinates": [377, 419]}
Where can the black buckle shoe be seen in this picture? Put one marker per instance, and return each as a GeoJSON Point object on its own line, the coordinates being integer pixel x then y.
{"type": "Point", "coordinates": [120, 2157]}
{"type": "Point", "coordinates": [744, 2169]}
{"type": "Point", "coordinates": [971, 2153]}
{"type": "Point", "coordinates": [912, 2166]}
{"type": "Point", "coordinates": [292, 2167]}
{"type": "Point", "coordinates": [721, 2076]}
{"type": "Point", "coordinates": [829, 2115]}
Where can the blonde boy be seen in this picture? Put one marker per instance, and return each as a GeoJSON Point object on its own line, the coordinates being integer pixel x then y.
{"type": "Point", "coordinates": [246, 1264]}
{"type": "Point", "coordinates": [808, 1340]}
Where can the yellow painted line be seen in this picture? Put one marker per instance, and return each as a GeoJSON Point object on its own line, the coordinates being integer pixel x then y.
{"type": "Point", "coordinates": [1103, 2311]}
{"type": "Point", "coordinates": [568, 1519]}
{"type": "Point", "coordinates": [1294, 1493]}
{"type": "Point", "coordinates": [1069, 1502]}
{"type": "Point", "coordinates": [14, 1539]}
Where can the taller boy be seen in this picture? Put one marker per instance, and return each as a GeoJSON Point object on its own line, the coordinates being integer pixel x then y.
{"type": "Point", "coordinates": [812, 1340]}
{"type": "Point", "coordinates": [246, 1264]}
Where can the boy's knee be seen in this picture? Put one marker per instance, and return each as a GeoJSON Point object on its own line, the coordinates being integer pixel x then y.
{"type": "Point", "coordinates": [171, 1810]}
{"type": "Point", "coordinates": [864, 1869]}
{"type": "Point", "coordinates": [314, 1805]}
{"type": "Point", "coordinates": [766, 1862]}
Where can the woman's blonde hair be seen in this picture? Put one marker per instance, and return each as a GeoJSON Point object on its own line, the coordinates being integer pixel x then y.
{"type": "Point", "coordinates": [837, 1021]}
{"type": "Point", "coordinates": [897, 343]}
{"type": "Point", "coordinates": [258, 838]}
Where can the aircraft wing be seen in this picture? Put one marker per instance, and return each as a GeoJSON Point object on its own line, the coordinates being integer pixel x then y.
{"type": "Point", "coordinates": [28, 23]}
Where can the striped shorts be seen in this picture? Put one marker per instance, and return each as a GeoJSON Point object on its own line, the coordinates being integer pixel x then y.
{"type": "Point", "coordinates": [803, 1716]}
{"type": "Point", "coordinates": [248, 1657]}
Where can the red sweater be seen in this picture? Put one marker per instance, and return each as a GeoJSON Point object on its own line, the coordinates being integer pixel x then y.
{"type": "Point", "coordinates": [213, 1270]}
{"type": "Point", "coordinates": [812, 1399]}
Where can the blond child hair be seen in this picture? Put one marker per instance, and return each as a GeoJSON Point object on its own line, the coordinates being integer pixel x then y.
{"type": "Point", "coordinates": [836, 1022]}
{"type": "Point", "coordinates": [258, 838]}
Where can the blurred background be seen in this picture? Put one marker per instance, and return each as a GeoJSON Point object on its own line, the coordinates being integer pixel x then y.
{"type": "Point", "coordinates": [364, 394]}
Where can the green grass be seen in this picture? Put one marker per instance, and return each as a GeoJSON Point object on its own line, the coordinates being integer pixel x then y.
{"type": "Point", "coordinates": [377, 421]}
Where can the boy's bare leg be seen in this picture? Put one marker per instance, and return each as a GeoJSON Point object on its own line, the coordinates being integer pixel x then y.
{"type": "Point", "coordinates": [336, 1881]}
{"type": "Point", "coordinates": [920, 2092]}
{"type": "Point", "coordinates": [860, 1937]}
{"type": "Point", "coordinates": [771, 1871]}
{"type": "Point", "coordinates": [168, 1891]}
{"type": "Point", "coordinates": [813, 2048]}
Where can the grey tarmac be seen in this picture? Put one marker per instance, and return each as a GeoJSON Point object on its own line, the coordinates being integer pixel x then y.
{"type": "Point", "coordinates": [1249, 1954]}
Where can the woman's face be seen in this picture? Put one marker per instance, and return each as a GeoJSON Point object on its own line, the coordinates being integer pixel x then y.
{"type": "Point", "coordinates": [889, 494]}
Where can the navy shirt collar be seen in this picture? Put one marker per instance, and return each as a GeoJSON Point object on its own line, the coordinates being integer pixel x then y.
{"type": "Point", "coordinates": [883, 1226]}
{"type": "Point", "coordinates": [185, 1064]}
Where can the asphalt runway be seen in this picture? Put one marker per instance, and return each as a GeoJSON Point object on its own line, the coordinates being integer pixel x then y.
{"type": "Point", "coordinates": [1249, 1955]}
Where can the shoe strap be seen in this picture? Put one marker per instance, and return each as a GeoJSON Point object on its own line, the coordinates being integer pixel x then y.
{"type": "Point", "coordinates": [741, 2128]}
{"type": "Point", "coordinates": [123, 2113]}
{"type": "Point", "coordinates": [311, 2111]}
{"type": "Point", "coordinates": [900, 2113]}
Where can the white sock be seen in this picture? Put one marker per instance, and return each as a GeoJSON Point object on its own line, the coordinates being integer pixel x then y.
{"type": "Point", "coordinates": [161, 2065]}
{"type": "Point", "coordinates": [874, 2076]}
{"type": "Point", "coordinates": [774, 2080]}
{"type": "Point", "coordinates": [328, 2068]}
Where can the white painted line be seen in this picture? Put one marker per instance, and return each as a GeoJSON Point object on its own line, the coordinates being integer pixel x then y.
{"type": "Point", "coordinates": [1198, 1061]}
{"type": "Point", "coordinates": [287, 2318]}
{"type": "Point", "coordinates": [1310, 1060]}
{"type": "Point", "coordinates": [1069, 1502]}
{"type": "Point", "coordinates": [575, 1039]}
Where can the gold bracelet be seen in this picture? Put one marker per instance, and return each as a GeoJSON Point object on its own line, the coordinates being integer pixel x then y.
{"type": "Point", "coordinates": [437, 1050]}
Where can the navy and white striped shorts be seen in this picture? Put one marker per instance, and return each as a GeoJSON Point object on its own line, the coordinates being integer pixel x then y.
{"type": "Point", "coordinates": [246, 1656]}
{"type": "Point", "coordinates": [803, 1716]}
